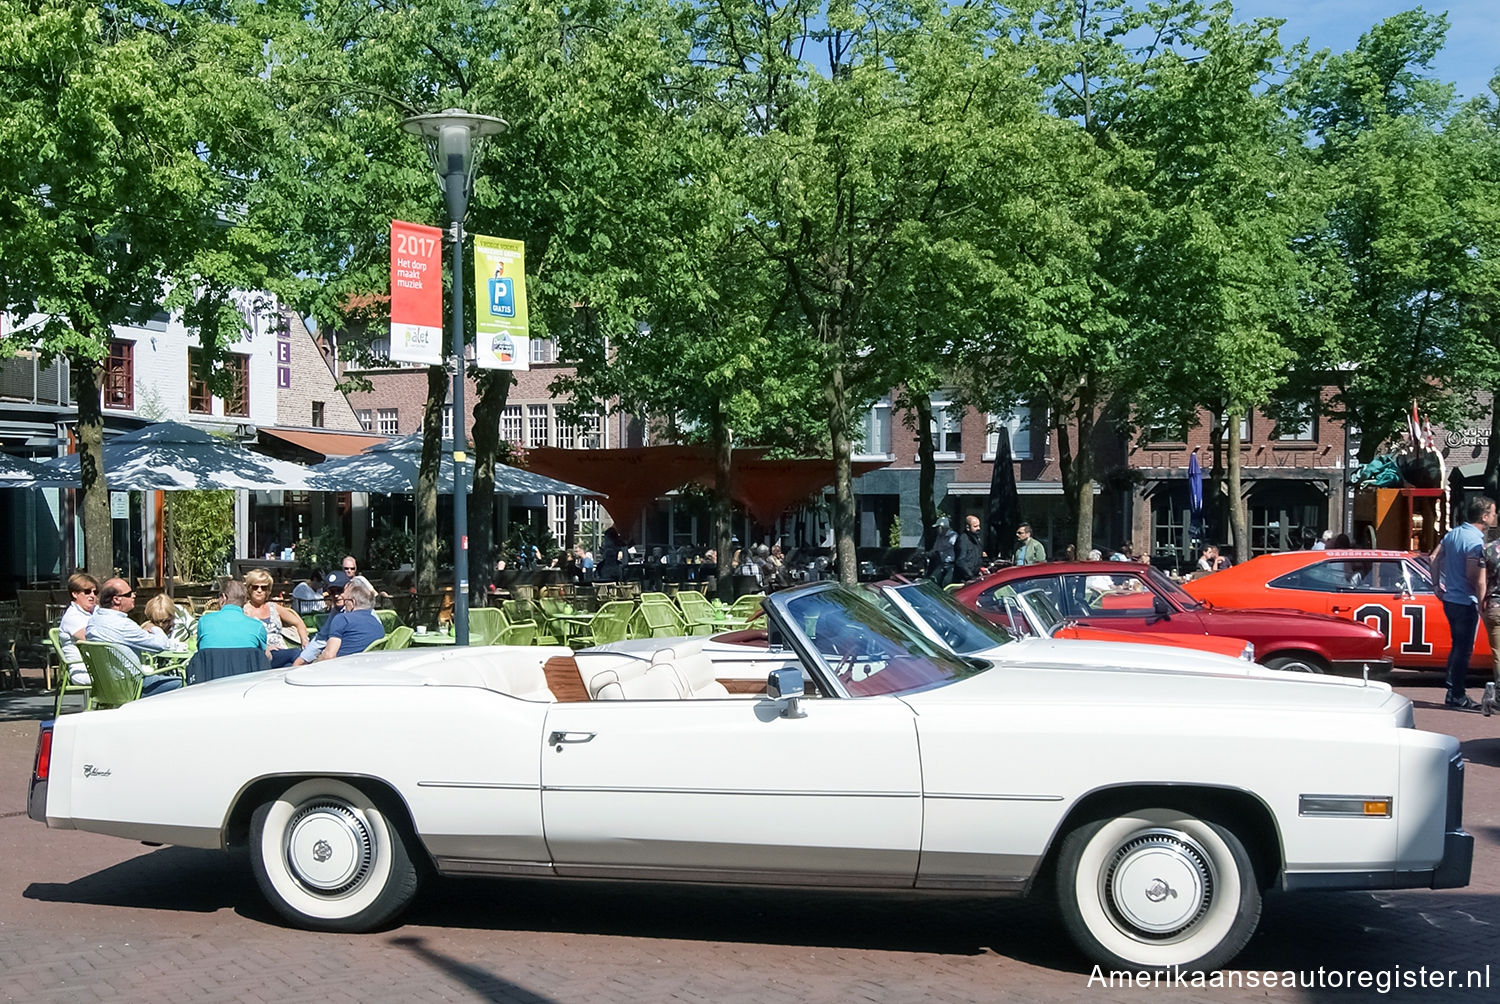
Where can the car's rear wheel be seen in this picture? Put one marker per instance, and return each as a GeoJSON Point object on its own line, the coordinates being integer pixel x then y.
{"type": "Point", "coordinates": [328, 858]}
{"type": "Point", "coordinates": [1156, 889]}
{"type": "Point", "coordinates": [1297, 662]}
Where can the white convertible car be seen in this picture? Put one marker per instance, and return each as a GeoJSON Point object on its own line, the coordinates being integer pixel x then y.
{"type": "Point", "coordinates": [1154, 791]}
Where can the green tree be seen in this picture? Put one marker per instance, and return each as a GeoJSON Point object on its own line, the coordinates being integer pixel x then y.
{"type": "Point", "coordinates": [128, 139]}
{"type": "Point", "coordinates": [1398, 246]}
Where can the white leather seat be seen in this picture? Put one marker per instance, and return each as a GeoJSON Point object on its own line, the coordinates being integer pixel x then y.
{"type": "Point", "coordinates": [694, 671]}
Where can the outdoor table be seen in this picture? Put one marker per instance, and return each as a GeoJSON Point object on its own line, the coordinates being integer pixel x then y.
{"type": "Point", "coordinates": [168, 662]}
{"type": "Point", "coordinates": [432, 638]}
{"type": "Point", "coordinates": [729, 624]}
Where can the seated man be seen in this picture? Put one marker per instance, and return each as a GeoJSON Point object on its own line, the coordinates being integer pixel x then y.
{"type": "Point", "coordinates": [111, 622]}
{"type": "Point", "coordinates": [333, 595]}
{"type": "Point", "coordinates": [229, 626]}
{"type": "Point", "coordinates": [356, 627]}
{"type": "Point", "coordinates": [75, 620]}
{"type": "Point", "coordinates": [306, 599]}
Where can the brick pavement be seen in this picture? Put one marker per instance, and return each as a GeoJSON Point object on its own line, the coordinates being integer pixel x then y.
{"type": "Point", "coordinates": [91, 918]}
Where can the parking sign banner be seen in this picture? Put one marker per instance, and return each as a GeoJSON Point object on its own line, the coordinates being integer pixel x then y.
{"type": "Point", "coordinates": [500, 324]}
{"type": "Point", "coordinates": [416, 293]}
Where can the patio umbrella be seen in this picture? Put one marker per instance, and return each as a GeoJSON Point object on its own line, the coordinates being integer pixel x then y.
{"type": "Point", "coordinates": [1195, 497]}
{"type": "Point", "coordinates": [18, 472]}
{"type": "Point", "coordinates": [1002, 510]}
{"type": "Point", "coordinates": [391, 468]}
{"type": "Point", "coordinates": [170, 456]}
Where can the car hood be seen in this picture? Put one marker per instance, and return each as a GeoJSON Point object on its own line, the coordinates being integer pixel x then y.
{"type": "Point", "coordinates": [1274, 618]}
{"type": "Point", "coordinates": [1044, 670]}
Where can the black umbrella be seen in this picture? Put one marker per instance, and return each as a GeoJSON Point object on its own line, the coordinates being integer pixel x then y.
{"type": "Point", "coordinates": [1003, 509]}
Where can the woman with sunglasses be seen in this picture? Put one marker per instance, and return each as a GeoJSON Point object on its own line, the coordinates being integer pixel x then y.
{"type": "Point", "coordinates": [258, 583]}
{"type": "Point", "coordinates": [85, 590]}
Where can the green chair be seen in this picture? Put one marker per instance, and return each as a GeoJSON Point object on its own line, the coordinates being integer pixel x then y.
{"type": "Point", "coordinates": [657, 620]}
{"type": "Point", "coordinates": [487, 626]}
{"type": "Point", "coordinates": [697, 612]}
{"type": "Point", "coordinates": [399, 639]}
{"type": "Point", "coordinates": [746, 606]}
{"type": "Point", "coordinates": [611, 623]}
{"type": "Point", "coordinates": [389, 619]}
{"type": "Point", "coordinates": [655, 598]}
{"type": "Point", "coordinates": [115, 679]}
{"type": "Point", "coordinates": [523, 612]}
{"type": "Point", "coordinates": [65, 684]}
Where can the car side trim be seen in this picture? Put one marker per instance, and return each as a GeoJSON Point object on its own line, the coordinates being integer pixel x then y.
{"type": "Point", "coordinates": [985, 797]}
{"type": "Point", "coordinates": [485, 866]}
{"type": "Point", "coordinates": [773, 792]}
{"type": "Point", "coordinates": [492, 786]}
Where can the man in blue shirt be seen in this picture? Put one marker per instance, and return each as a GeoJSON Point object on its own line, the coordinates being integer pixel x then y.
{"type": "Point", "coordinates": [229, 626]}
{"type": "Point", "coordinates": [356, 627]}
{"type": "Point", "coordinates": [1459, 573]}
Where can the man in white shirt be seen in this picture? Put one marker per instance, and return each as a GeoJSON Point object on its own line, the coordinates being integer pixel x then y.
{"type": "Point", "coordinates": [85, 590]}
{"type": "Point", "coordinates": [111, 622]}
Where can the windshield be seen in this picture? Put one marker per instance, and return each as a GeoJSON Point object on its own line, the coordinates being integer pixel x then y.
{"type": "Point", "coordinates": [959, 628]}
{"type": "Point", "coordinates": [866, 650]}
{"type": "Point", "coordinates": [1044, 608]}
{"type": "Point", "coordinates": [1167, 587]}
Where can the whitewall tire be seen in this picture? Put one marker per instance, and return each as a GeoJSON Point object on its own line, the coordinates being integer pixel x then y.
{"type": "Point", "coordinates": [1156, 889]}
{"type": "Point", "coordinates": [327, 858]}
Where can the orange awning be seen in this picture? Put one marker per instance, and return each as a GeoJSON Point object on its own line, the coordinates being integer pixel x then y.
{"type": "Point", "coordinates": [324, 443]}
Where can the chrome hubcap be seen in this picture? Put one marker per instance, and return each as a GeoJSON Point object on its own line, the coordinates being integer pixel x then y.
{"type": "Point", "coordinates": [1159, 883]}
{"type": "Point", "coordinates": [329, 847]}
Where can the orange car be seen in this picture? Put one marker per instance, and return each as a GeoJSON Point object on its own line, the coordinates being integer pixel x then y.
{"type": "Point", "coordinates": [1389, 590]}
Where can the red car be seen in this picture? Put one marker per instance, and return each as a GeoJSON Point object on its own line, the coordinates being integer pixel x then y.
{"type": "Point", "coordinates": [1129, 597]}
{"type": "Point", "coordinates": [1390, 591]}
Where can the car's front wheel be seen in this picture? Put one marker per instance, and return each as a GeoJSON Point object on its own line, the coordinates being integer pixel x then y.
{"type": "Point", "coordinates": [1156, 889]}
{"type": "Point", "coordinates": [1297, 662]}
{"type": "Point", "coordinates": [328, 858]}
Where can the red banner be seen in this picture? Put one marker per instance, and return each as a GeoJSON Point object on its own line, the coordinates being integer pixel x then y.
{"type": "Point", "coordinates": [416, 293]}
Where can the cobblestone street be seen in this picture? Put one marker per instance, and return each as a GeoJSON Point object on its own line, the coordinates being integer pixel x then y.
{"type": "Point", "coordinates": [86, 917]}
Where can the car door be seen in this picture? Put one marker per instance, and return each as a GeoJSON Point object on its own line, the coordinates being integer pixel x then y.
{"type": "Point", "coordinates": [1389, 593]}
{"type": "Point", "coordinates": [727, 788]}
{"type": "Point", "coordinates": [1124, 601]}
{"type": "Point", "coordinates": [997, 603]}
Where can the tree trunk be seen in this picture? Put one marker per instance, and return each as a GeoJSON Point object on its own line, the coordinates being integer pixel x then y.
{"type": "Point", "coordinates": [1236, 505]}
{"type": "Point", "coordinates": [838, 438]}
{"type": "Point", "coordinates": [93, 496]}
{"type": "Point", "coordinates": [427, 479]}
{"type": "Point", "coordinates": [493, 387]}
{"type": "Point", "coordinates": [1083, 474]}
{"type": "Point", "coordinates": [926, 470]}
{"type": "Point", "coordinates": [723, 503]}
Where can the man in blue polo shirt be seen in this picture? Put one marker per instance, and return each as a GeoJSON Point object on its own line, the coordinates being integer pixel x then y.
{"type": "Point", "coordinates": [229, 626]}
{"type": "Point", "coordinates": [1458, 567]}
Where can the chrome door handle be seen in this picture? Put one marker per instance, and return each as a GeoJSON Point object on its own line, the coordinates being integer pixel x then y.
{"type": "Point", "coordinates": [559, 738]}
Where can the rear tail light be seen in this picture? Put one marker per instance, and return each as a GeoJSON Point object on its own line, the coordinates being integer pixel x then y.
{"type": "Point", "coordinates": [43, 763]}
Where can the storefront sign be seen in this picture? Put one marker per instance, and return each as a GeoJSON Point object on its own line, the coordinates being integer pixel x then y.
{"type": "Point", "coordinates": [500, 304]}
{"type": "Point", "coordinates": [416, 293]}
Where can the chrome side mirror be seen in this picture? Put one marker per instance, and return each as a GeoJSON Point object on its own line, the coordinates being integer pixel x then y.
{"type": "Point", "coordinates": [786, 685]}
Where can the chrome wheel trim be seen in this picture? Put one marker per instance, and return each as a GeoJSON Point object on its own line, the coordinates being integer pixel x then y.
{"type": "Point", "coordinates": [1158, 884]}
{"type": "Point", "coordinates": [329, 848]}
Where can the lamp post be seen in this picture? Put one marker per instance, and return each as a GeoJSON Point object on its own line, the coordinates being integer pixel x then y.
{"type": "Point", "coordinates": [454, 138]}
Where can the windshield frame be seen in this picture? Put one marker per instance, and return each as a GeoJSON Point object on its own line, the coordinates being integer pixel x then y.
{"type": "Point", "coordinates": [904, 641]}
{"type": "Point", "coordinates": [900, 596]}
{"type": "Point", "coordinates": [1171, 590]}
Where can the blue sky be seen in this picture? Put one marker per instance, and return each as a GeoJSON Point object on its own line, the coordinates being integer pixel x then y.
{"type": "Point", "coordinates": [1468, 60]}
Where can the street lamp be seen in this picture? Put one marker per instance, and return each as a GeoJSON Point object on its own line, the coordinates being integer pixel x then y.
{"type": "Point", "coordinates": [454, 139]}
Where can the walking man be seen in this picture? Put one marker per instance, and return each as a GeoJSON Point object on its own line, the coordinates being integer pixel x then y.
{"type": "Point", "coordinates": [1029, 550]}
{"type": "Point", "coordinates": [1458, 566]}
{"type": "Point", "coordinates": [967, 551]}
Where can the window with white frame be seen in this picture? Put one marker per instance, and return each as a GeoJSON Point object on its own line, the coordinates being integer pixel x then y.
{"type": "Point", "coordinates": [447, 421]}
{"type": "Point", "coordinates": [1018, 424]}
{"type": "Point", "coordinates": [1299, 425]}
{"type": "Point", "coordinates": [557, 517]}
{"type": "Point", "coordinates": [543, 350]}
{"type": "Point", "coordinates": [947, 428]}
{"type": "Point", "coordinates": [538, 422]}
{"type": "Point", "coordinates": [873, 437]}
{"type": "Point", "coordinates": [389, 419]}
{"type": "Point", "coordinates": [1244, 431]}
{"type": "Point", "coordinates": [591, 432]}
{"type": "Point", "coordinates": [366, 419]}
{"type": "Point", "coordinates": [510, 424]}
{"type": "Point", "coordinates": [567, 435]}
